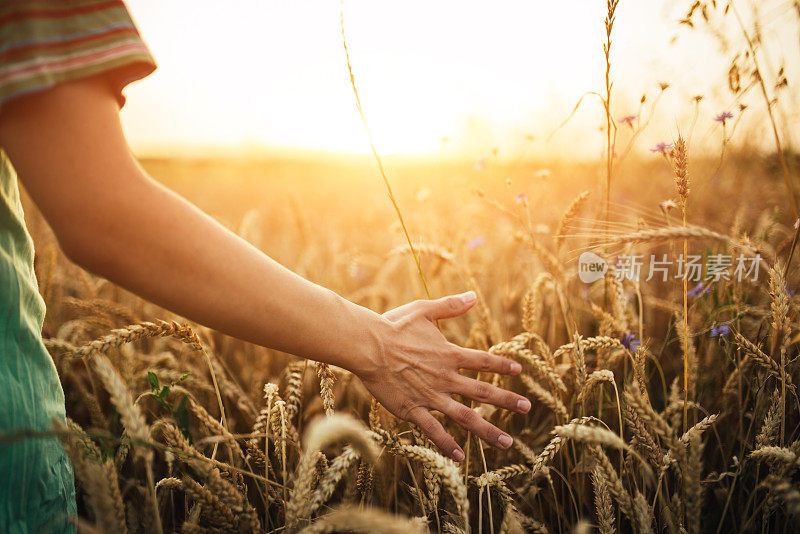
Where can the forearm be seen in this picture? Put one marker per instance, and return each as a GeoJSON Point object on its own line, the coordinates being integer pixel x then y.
{"type": "Point", "coordinates": [154, 243]}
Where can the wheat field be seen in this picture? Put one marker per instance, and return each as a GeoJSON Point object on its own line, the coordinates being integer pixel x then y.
{"type": "Point", "coordinates": [604, 445]}
{"type": "Point", "coordinates": [658, 406]}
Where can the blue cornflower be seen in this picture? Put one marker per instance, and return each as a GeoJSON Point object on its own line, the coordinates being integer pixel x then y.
{"type": "Point", "coordinates": [721, 330]}
{"type": "Point", "coordinates": [723, 117]}
{"type": "Point", "coordinates": [630, 342]}
{"type": "Point", "coordinates": [699, 289]}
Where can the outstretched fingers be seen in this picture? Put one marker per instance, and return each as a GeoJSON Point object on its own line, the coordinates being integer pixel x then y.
{"type": "Point", "coordinates": [432, 428]}
{"type": "Point", "coordinates": [470, 420]}
{"type": "Point", "coordinates": [487, 393]}
{"type": "Point", "coordinates": [478, 360]}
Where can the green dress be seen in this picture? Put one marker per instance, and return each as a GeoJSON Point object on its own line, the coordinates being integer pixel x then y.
{"type": "Point", "coordinates": [37, 491]}
{"type": "Point", "coordinates": [43, 44]}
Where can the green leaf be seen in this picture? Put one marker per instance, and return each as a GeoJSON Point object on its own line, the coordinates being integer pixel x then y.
{"type": "Point", "coordinates": [153, 379]}
{"type": "Point", "coordinates": [164, 393]}
{"type": "Point", "coordinates": [182, 405]}
{"type": "Point", "coordinates": [182, 417]}
{"type": "Point", "coordinates": [160, 401]}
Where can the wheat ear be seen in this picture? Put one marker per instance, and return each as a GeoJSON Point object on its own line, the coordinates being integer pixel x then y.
{"type": "Point", "coordinates": [569, 215]}
{"type": "Point", "coordinates": [99, 478]}
{"type": "Point", "coordinates": [320, 433]}
{"type": "Point", "coordinates": [602, 503]}
{"type": "Point", "coordinates": [366, 521]}
{"type": "Point", "coordinates": [326, 380]}
{"type": "Point", "coordinates": [606, 471]}
{"type": "Point", "coordinates": [546, 397]}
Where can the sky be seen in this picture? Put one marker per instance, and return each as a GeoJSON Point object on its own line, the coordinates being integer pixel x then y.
{"type": "Point", "coordinates": [271, 74]}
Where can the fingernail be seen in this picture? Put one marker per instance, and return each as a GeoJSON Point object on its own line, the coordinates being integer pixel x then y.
{"type": "Point", "coordinates": [505, 441]}
{"type": "Point", "coordinates": [457, 455]}
{"type": "Point", "coordinates": [515, 368]}
{"type": "Point", "coordinates": [523, 405]}
{"type": "Point", "coordinates": [469, 297]}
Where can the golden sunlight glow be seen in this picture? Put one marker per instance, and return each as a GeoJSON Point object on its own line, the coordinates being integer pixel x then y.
{"type": "Point", "coordinates": [260, 73]}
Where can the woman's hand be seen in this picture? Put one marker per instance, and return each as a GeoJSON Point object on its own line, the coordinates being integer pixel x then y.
{"type": "Point", "coordinates": [417, 371]}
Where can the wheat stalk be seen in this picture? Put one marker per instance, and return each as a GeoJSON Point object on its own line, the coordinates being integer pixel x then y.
{"type": "Point", "coordinates": [692, 480]}
{"type": "Point", "coordinates": [533, 300]}
{"type": "Point", "coordinates": [602, 503]}
{"type": "Point", "coordinates": [689, 366]}
{"type": "Point", "coordinates": [444, 467]}
{"type": "Point", "coordinates": [326, 380]}
{"type": "Point", "coordinates": [493, 478]}
{"type": "Point", "coordinates": [294, 388]}
{"type": "Point", "coordinates": [130, 414]}
{"type": "Point", "coordinates": [762, 360]}
{"type": "Point", "coordinates": [546, 397]}
{"type": "Point", "coordinates": [771, 425]}
{"type": "Point", "coordinates": [214, 510]}
{"type": "Point", "coordinates": [681, 165]}
{"type": "Point", "coordinates": [595, 378]}
{"type": "Point", "coordinates": [98, 477]}
{"type": "Point", "coordinates": [330, 479]}
{"type": "Point", "coordinates": [642, 438]}
{"type": "Point", "coordinates": [781, 455]}
{"type": "Point", "coordinates": [429, 476]}
{"type": "Point", "coordinates": [569, 215]}
{"type": "Point", "coordinates": [590, 434]}
{"type": "Point", "coordinates": [138, 332]}
{"type": "Point", "coordinates": [643, 518]}
{"type": "Point", "coordinates": [699, 428]}
{"type": "Point", "coordinates": [321, 433]}
{"type": "Point", "coordinates": [378, 158]}
{"type": "Point", "coordinates": [606, 471]}
{"type": "Point", "coordinates": [548, 259]}
{"type": "Point", "coordinates": [590, 343]}
{"type": "Point", "coordinates": [610, 139]}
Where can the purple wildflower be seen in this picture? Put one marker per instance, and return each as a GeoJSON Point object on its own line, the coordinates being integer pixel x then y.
{"type": "Point", "coordinates": [628, 119]}
{"type": "Point", "coordinates": [521, 198]}
{"type": "Point", "coordinates": [662, 148]}
{"type": "Point", "coordinates": [719, 331]}
{"type": "Point", "coordinates": [630, 342]}
{"type": "Point", "coordinates": [788, 290]}
{"type": "Point", "coordinates": [723, 117]}
{"type": "Point", "coordinates": [475, 242]}
{"type": "Point", "coordinates": [696, 291]}
{"type": "Point", "coordinates": [480, 164]}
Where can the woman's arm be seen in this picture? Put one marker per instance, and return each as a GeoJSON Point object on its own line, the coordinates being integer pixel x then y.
{"type": "Point", "coordinates": [69, 150]}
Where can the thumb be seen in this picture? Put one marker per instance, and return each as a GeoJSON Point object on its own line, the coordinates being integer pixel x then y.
{"type": "Point", "coordinates": [451, 306]}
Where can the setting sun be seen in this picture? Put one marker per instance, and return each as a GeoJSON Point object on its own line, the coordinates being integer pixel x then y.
{"type": "Point", "coordinates": [259, 74]}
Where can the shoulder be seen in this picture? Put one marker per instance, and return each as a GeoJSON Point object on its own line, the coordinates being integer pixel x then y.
{"type": "Point", "coordinates": [47, 42]}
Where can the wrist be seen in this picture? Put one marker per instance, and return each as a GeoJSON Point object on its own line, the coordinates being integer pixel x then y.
{"type": "Point", "coordinates": [365, 335]}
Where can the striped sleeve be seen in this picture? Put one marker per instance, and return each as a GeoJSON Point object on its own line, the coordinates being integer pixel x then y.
{"type": "Point", "coordinates": [47, 42]}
